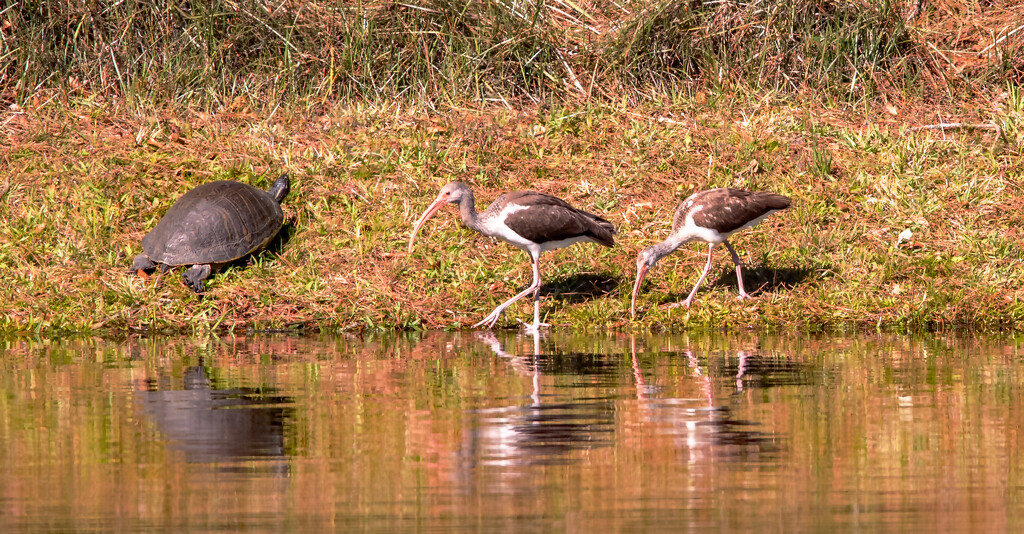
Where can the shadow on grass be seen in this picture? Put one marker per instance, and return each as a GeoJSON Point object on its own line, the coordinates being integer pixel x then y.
{"type": "Point", "coordinates": [275, 248]}
{"type": "Point", "coordinates": [756, 280]}
{"type": "Point", "coordinates": [581, 287]}
{"type": "Point", "coordinates": [761, 279]}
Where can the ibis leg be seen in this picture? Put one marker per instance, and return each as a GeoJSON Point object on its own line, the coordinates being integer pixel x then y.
{"type": "Point", "coordinates": [739, 273]}
{"type": "Point", "coordinates": [536, 310]}
{"type": "Point", "coordinates": [535, 327]}
{"type": "Point", "coordinates": [534, 288]}
{"type": "Point", "coordinates": [686, 303]}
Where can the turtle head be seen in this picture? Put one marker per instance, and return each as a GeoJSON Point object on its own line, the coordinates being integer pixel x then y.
{"type": "Point", "coordinates": [280, 188]}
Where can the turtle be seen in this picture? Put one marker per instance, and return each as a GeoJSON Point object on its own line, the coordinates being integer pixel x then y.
{"type": "Point", "coordinates": [212, 225]}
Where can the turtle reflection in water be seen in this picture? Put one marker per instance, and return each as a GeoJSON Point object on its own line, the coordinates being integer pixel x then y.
{"type": "Point", "coordinates": [213, 225]}
{"type": "Point", "coordinates": [213, 424]}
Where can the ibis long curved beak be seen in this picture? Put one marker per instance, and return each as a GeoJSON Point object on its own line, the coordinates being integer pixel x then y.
{"type": "Point", "coordinates": [431, 210]}
{"type": "Point", "coordinates": [641, 271]}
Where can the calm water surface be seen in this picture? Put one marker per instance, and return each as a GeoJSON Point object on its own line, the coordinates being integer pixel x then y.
{"type": "Point", "coordinates": [504, 431]}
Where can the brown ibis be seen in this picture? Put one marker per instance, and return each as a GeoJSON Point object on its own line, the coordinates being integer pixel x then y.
{"type": "Point", "coordinates": [531, 221]}
{"type": "Point", "coordinates": [711, 216]}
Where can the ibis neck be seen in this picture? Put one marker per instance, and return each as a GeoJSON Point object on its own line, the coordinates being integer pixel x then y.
{"type": "Point", "coordinates": [668, 246]}
{"type": "Point", "coordinates": [467, 211]}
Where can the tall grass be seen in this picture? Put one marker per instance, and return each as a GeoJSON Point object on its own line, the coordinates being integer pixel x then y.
{"type": "Point", "coordinates": [210, 53]}
{"type": "Point", "coordinates": [782, 45]}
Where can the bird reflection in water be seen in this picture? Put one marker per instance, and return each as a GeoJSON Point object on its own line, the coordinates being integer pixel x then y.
{"type": "Point", "coordinates": [705, 426]}
{"type": "Point", "coordinates": [547, 429]}
{"type": "Point", "coordinates": [211, 425]}
{"type": "Point", "coordinates": [593, 409]}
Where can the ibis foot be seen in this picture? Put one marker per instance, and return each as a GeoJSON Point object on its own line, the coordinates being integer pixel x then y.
{"type": "Point", "coordinates": [489, 321]}
{"type": "Point", "coordinates": [533, 328]}
{"type": "Point", "coordinates": [680, 304]}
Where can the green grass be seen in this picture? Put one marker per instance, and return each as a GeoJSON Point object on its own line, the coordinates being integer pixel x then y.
{"type": "Point", "coordinates": [77, 209]}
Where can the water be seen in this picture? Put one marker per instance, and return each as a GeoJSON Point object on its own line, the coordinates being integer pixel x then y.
{"type": "Point", "coordinates": [481, 431]}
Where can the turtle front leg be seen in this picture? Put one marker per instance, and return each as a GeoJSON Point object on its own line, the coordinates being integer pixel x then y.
{"type": "Point", "coordinates": [195, 275]}
{"type": "Point", "coordinates": [143, 263]}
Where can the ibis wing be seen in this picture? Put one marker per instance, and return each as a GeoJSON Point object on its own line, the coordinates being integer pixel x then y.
{"type": "Point", "coordinates": [728, 210]}
{"type": "Point", "coordinates": [546, 218]}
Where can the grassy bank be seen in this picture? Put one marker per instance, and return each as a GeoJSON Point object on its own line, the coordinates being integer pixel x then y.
{"type": "Point", "coordinates": [84, 184]}
{"type": "Point", "coordinates": [112, 110]}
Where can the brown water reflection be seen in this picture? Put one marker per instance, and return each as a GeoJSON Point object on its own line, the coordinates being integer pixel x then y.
{"type": "Point", "coordinates": [505, 431]}
{"type": "Point", "coordinates": [211, 424]}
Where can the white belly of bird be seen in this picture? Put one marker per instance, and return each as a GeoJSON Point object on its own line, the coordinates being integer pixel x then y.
{"type": "Point", "coordinates": [708, 235]}
{"type": "Point", "coordinates": [552, 245]}
{"type": "Point", "coordinates": [699, 233]}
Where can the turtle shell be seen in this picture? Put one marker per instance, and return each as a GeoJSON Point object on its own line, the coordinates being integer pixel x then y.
{"type": "Point", "coordinates": [214, 223]}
